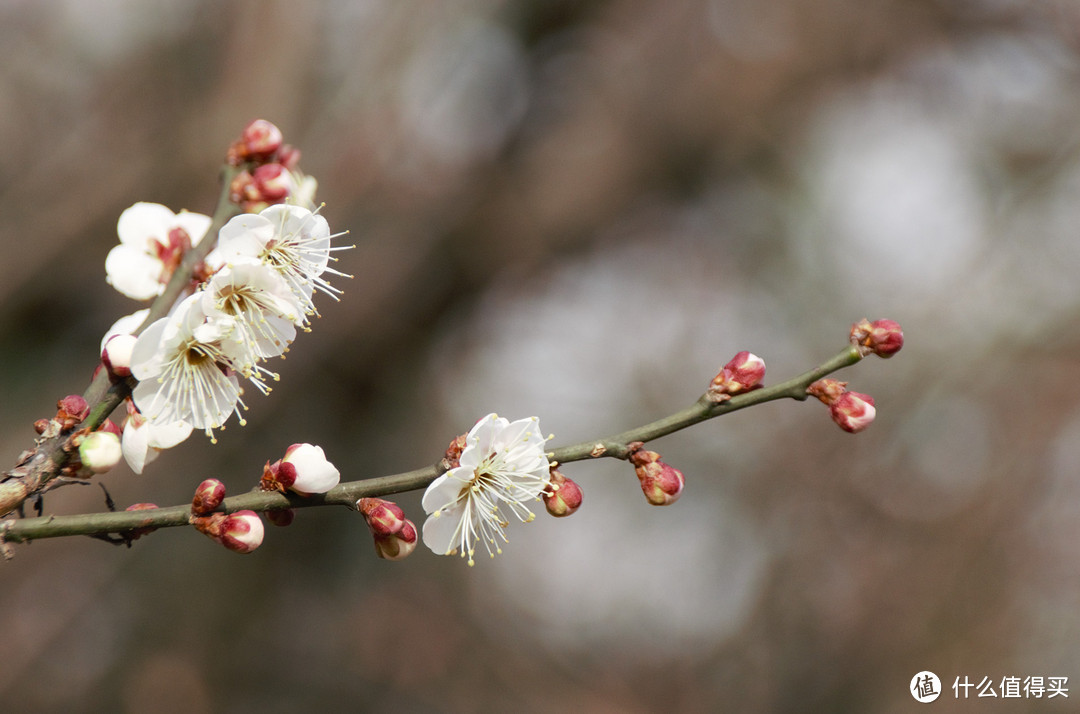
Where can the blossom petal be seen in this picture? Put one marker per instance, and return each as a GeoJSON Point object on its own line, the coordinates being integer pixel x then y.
{"type": "Point", "coordinates": [133, 272]}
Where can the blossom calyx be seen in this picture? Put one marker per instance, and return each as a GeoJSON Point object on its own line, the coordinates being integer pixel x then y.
{"type": "Point", "coordinates": [743, 373]}
{"type": "Point", "coordinates": [241, 532]}
{"type": "Point", "coordinates": [881, 337]}
{"type": "Point", "coordinates": [563, 496]}
{"type": "Point", "coordinates": [304, 469]}
{"type": "Point", "coordinates": [208, 496]}
{"type": "Point", "coordinates": [661, 483]}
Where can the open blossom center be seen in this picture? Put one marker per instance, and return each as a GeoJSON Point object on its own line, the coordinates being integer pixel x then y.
{"type": "Point", "coordinates": [473, 501]}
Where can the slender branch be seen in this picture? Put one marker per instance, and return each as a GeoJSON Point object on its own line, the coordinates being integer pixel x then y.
{"type": "Point", "coordinates": [346, 494]}
{"type": "Point", "coordinates": [37, 471]}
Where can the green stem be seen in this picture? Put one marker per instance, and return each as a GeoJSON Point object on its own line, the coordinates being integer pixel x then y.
{"type": "Point", "coordinates": [346, 494]}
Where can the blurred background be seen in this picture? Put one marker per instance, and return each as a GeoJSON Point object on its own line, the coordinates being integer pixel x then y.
{"type": "Point", "coordinates": [580, 211]}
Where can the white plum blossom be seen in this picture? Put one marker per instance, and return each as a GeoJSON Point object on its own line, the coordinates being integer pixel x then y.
{"type": "Point", "coordinates": [153, 241]}
{"type": "Point", "coordinates": [291, 240]}
{"type": "Point", "coordinates": [144, 440]}
{"type": "Point", "coordinates": [502, 465]}
{"type": "Point", "coordinates": [185, 364]}
{"type": "Point", "coordinates": [265, 310]}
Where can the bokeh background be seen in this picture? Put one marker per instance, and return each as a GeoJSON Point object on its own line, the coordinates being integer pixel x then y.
{"type": "Point", "coordinates": [580, 211]}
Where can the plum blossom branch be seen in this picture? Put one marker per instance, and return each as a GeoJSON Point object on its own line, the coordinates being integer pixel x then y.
{"type": "Point", "coordinates": [619, 446]}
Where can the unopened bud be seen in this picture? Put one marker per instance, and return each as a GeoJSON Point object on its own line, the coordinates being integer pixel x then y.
{"type": "Point", "coordinates": [564, 495]}
{"type": "Point", "coordinates": [304, 469]}
{"type": "Point", "coordinates": [743, 373]}
{"type": "Point", "coordinates": [881, 337]}
{"type": "Point", "coordinates": [208, 495]}
{"type": "Point", "coordinates": [393, 533]}
{"type": "Point", "coordinates": [398, 545]}
{"type": "Point", "coordinates": [99, 451]}
{"type": "Point", "coordinates": [273, 182]}
{"type": "Point", "coordinates": [383, 517]}
{"type": "Point", "coordinates": [661, 483]}
{"type": "Point", "coordinates": [241, 531]}
{"type": "Point", "coordinates": [261, 138]}
{"type": "Point", "coordinates": [853, 411]}
{"type": "Point", "coordinates": [116, 356]}
{"type": "Point", "coordinates": [111, 427]}
{"type": "Point", "coordinates": [71, 410]}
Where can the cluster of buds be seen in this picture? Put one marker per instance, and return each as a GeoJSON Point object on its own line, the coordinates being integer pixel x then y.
{"type": "Point", "coordinates": [270, 174]}
{"type": "Point", "coordinates": [852, 411]}
{"type": "Point", "coordinates": [881, 337]}
{"type": "Point", "coordinates": [563, 496]}
{"type": "Point", "coordinates": [661, 483]}
{"type": "Point", "coordinates": [395, 535]}
{"type": "Point", "coordinates": [241, 532]}
{"type": "Point", "coordinates": [743, 373]}
{"type": "Point", "coordinates": [91, 452]}
{"type": "Point", "coordinates": [70, 412]}
{"type": "Point", "coordinates": [304, 470]}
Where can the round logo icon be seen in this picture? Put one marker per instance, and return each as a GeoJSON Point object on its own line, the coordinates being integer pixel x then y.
{"type": "Point", "coordinates": [925, 687]}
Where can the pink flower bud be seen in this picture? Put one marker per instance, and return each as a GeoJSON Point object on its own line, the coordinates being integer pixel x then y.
{"type": "Point", "coordinates": [99, 451]}
{"type": "Point", "coordinates": [383, 517]}
{"type": "Point", "coordinates": [289, 157]}
{"type": "Point", "coordinates": [394, 534]}
{"type": "Point", "coordinates": [71, 410]}
{"type": "Point", "coordinates": [881, 337]}
{"type": "Point", "coordinates": [208, 495]}
{"type": "Point", "coordinates": [241, 531]}
{"type": "Point", "coordinates": [397, 546]}
{"type": "Point", "coordinates": [273, 182]}
{"type": "Point", "coordinates": [117, 355]}
{"type": "Point", "coordinates": [743, 373]}
{"type": "Point", "coordinates": [111, 427]}
{"type": "Point", "coordinates": [564, 496]}
{"type": "Point", "coordinates": [853, 411]}
{"type": "Point", "coordinates": [661, 483]}
{"type": "Point", "coordinates": [261, 138]}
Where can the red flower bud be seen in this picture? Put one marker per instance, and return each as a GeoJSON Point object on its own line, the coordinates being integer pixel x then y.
{"type": "Point", "coordinates": [260, 139]}
{"type": "Point", "coordinates": [208, 495]}
{"type": "Point", "coordinates": [564, 496]}
{"type": "Point", "coordinates": [881, 337]}
{"type": "Point", "coordinates": [71, 410]}
{"type": "Point", "coordinates": [661, 483]}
